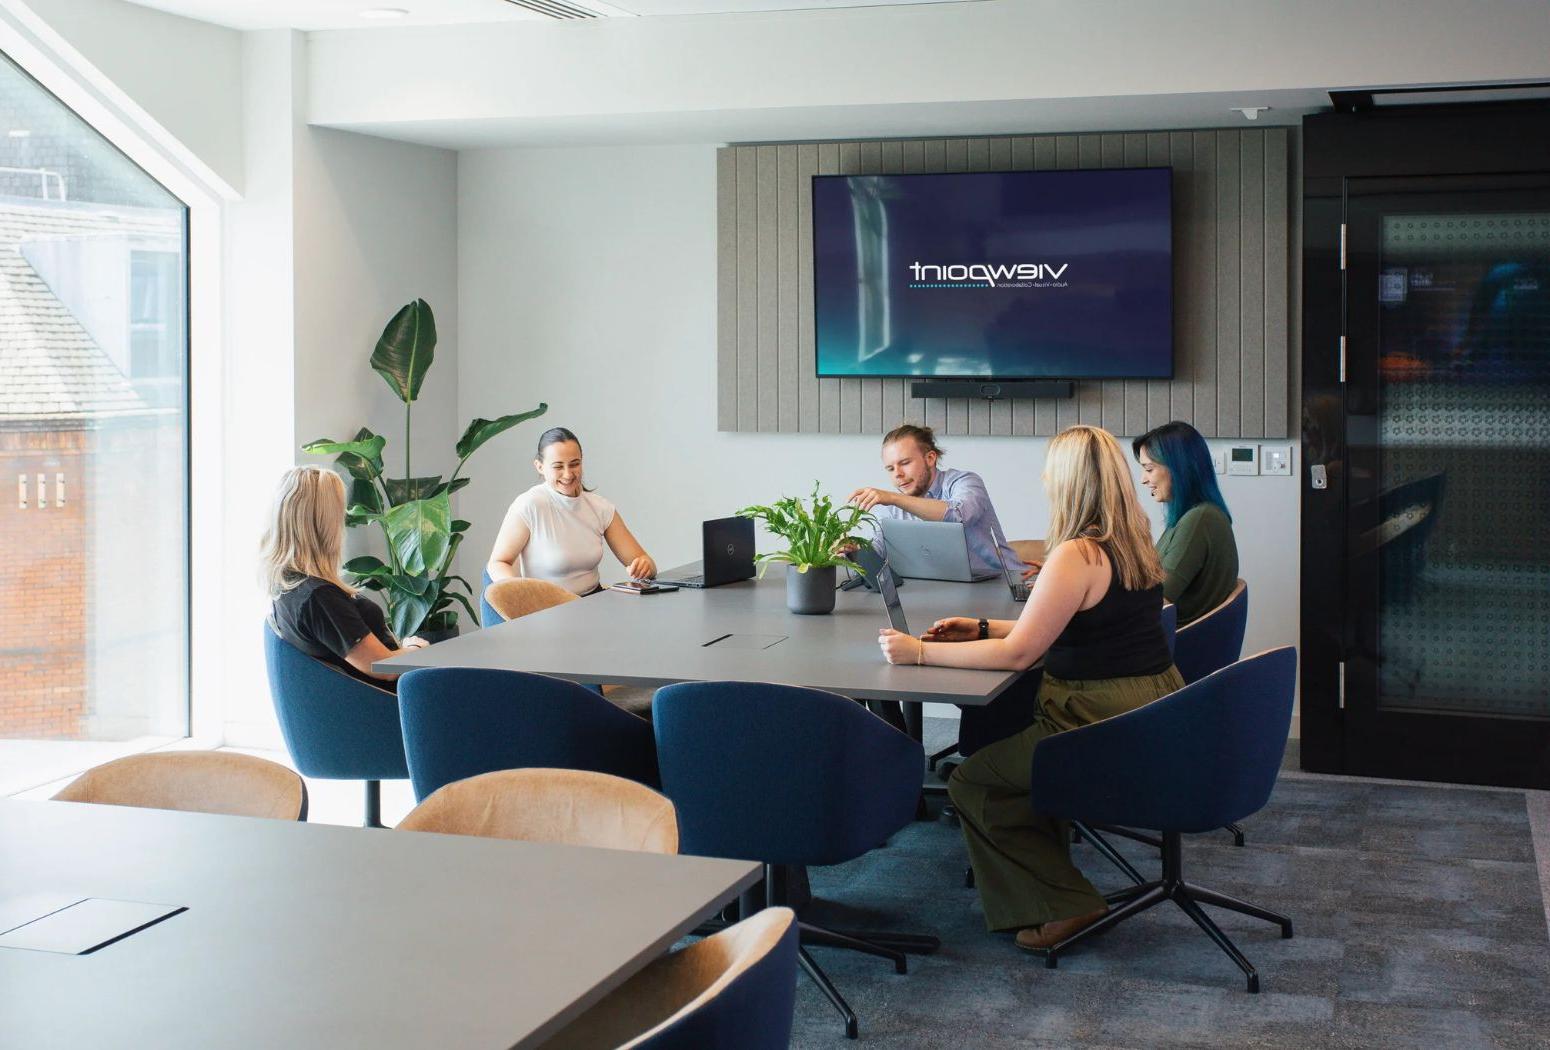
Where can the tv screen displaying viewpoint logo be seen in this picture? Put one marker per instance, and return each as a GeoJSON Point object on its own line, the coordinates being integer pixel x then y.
{"type": "Point", "coordinates": [1011, 275]}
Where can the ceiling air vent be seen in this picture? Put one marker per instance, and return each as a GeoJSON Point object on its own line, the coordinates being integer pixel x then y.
{"type": "Point", "coordinates": [555, 8]}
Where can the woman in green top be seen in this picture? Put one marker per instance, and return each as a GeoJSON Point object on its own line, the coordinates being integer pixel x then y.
{"type": "Point", "coordinates": [1197, 548]}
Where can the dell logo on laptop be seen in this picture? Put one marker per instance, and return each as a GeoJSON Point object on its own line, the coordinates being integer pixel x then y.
{"type": "Point", "coordinates": [731, 549]}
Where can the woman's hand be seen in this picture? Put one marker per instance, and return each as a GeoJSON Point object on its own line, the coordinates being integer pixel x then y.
{"type": "Point", "coordinates": [899, 648]}
{"type": "Point", "coordinates": [414, 641]}
{"type": "Point", "coordinates": [643, 568]}
{"type": "Point", "coordinates": [1032, 570]}
{"type": "Point", "coordinates": [954, 629]}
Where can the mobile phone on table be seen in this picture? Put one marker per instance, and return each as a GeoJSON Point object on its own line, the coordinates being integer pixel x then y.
{"type": "Point", "coordinates": [641, 587]}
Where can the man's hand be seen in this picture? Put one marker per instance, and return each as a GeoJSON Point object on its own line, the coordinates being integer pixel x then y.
{"type": "Point", "coordinates": [867, 498]}
{"type": "Point", "coordinates": [1032, 570]}
{"type": "Point", "coordinates": [954, 629]}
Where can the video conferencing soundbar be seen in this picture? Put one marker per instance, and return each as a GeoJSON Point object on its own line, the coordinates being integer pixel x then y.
{"type": "Point", "coordinates": [991, 391]}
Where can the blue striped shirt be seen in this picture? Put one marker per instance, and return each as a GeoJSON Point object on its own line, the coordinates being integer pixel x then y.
{"type": "Point", "coordinates": [967, 501]}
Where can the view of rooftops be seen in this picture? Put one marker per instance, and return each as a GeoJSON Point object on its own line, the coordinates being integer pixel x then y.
{"type": "Point", "coordinates": [93, 334]}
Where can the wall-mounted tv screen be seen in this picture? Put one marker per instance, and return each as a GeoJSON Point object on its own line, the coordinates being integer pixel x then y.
{"type": "Point", "coordinates": [1006, 275]}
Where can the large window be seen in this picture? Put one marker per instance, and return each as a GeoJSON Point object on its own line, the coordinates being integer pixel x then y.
{"type": "Point", "coordinates": [93, 446]}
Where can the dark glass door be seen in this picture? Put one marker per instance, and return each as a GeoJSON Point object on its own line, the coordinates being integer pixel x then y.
{"type": "Point", "coordinates": [1447, 430]}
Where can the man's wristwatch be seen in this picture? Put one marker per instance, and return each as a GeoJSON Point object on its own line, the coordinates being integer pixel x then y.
{"type": "Point", "coordinates": [984, 628]}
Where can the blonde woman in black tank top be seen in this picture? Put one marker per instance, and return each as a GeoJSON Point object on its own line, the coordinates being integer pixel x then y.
{"type": "Point", "coordinates": [1094, 618]}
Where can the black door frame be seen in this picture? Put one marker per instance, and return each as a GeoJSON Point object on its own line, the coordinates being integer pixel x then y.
{"type": "Point", "coordinates": [1470, 141]}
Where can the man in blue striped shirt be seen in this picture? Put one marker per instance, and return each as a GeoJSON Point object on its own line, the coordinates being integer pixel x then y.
{"type": "Point", "coordinates": [924, 490]}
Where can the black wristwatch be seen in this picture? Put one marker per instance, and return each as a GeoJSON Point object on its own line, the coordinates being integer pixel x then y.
{"type": "Point", "coordinates": [984, 628]}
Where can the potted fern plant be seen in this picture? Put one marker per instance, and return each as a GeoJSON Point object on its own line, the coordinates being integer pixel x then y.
{"type": "Point", "coordinates": [415, 514]}
{"type": "Point", "coordinates": [815, 533]}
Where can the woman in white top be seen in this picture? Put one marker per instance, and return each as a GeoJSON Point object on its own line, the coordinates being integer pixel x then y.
{"type": "Point", "coordinates": [557, 528]}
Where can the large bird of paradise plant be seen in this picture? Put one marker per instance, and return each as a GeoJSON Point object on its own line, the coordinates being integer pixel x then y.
{"type": "Point", "coordinates": [414, 513]}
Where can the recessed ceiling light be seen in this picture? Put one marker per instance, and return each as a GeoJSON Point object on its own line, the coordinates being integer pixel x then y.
{"type": "Point", "coordinates": [384, 13]}
{"type": "Point", "coordinates": [19, 133]}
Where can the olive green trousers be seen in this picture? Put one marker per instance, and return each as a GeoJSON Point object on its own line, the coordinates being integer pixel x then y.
{"type": "Point", "coordinates": [1022, 859]}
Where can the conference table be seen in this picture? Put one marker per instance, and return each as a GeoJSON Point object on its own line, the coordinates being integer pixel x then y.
{"type": "Point", "coordinates": [736, 632]}
{"type": "Point", "coordinates": [281, 934]}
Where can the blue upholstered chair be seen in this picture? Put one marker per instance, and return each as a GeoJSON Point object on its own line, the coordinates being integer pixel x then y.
{"type": "Point", "coordinates": [336, 726]}
{"type": "Point", "coordinates": [1192, 761]}
{"type": "Point", "coordinates": [731, 991]}
{"type": "Point", "coordinates": [1214, 640]}
{"type": "Point", "coordinates": [488, 617]}
{"type": "Point", "coordinates": [785, 776]}
{"type": "Point", "coordinates": [462, 721]}
{"type": "Point", "coordinates": [1210, 643]}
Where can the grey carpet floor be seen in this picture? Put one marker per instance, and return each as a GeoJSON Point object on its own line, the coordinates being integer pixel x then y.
{"type": "Point", "coordinates": [1419, 923]}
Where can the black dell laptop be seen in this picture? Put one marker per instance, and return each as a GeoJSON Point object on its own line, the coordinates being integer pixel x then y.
{"type": "Point", "coordinates": [728, 555]}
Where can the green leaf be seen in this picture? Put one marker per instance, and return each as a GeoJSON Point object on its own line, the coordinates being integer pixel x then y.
{"type": "Point", "coordinates": [459, 526]}
{"type": "Point", "coordinates": [357, 514]}
{"type": "Point", "coordinates": [404, 490]}
{"type": "Point", "coordinates": [420, 533]}
{"type": "Point", "coordinates": [812, 533]}
{"type": "Point", "coordinates": [361, 457]}
{"type": "Point", "coordinates": [406, 349]}
{"type": "Point", "coordinates": [366, 565]}
{"type": "Point", "coordinates": [482, 430]}
{"type": "Point", "coordinates": [452, 486]}
{"type": "Point", "coordinates": [408, 613]}
{"type": "Point", "coordinates": [416, 585]}
{"type": "Point", "coordinates": [366, 494]}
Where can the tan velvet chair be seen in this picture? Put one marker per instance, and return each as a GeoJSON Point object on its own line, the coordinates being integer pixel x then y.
{"type": "Point", "coordinates": [671, 1003]}
{"type": "Point", "coordinates": [569, 806]}
{"type": "Point", "coordinates": [194, 781]}
{"type": "Point", "coordinates": [518, 596]}
{"type": "Point", "coordinates": [1028, 550]}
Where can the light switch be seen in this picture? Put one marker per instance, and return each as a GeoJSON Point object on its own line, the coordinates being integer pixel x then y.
{"type": "Point", "coordinates": [1275, 460]}
{"type": "Point", "coordinates": [1243, 460]}
{"type": "Point", "coordinates": [1219, 460]}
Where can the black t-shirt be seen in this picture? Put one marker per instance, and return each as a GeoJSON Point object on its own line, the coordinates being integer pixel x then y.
{"type": "Point", "coordinates": [323, 621]}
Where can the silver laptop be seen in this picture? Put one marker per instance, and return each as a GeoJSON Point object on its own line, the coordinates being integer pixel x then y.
{"type": "Point", "coordinates": [890, 593]}
{"type": "Point", "coordinates": [1019, 587]}
{"type": "Point", "coordinates": [927, 550]}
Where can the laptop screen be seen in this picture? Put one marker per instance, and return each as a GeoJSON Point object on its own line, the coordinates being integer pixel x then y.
{"type": "Point", "coordinates": [890, 595]}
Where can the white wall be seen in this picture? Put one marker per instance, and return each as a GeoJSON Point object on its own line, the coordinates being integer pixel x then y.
{"type": "Point", "coordinates": [336, 233]}
{"type": "Point", "coordinates": [587, 278]}
{"type": "Point", "coordinates": [186, 75]}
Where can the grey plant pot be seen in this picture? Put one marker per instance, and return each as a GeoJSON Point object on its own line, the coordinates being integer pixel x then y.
{"type": "Point", "coordinates": [810, 593]}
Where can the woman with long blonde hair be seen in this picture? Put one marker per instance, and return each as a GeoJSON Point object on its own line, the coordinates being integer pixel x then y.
{"type": "Point", "coordinates": [1094, 618]}
{"type": "Point", "coordinates": [314, 609]}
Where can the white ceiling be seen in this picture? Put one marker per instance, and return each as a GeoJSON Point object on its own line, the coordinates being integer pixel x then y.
{"type": "Point", "coordinates": [346, 14]}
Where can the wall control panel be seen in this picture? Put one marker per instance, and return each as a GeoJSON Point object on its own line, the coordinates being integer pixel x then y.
{"type": "Point", "coordinates": [1243, 460]}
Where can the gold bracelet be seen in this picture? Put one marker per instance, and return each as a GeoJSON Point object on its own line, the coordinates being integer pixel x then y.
{"type": "Point", "coordinates": [920, 654]}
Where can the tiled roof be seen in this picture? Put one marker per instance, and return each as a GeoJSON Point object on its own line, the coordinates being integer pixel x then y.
{"type": "Point", "coordinates": [50, 368]}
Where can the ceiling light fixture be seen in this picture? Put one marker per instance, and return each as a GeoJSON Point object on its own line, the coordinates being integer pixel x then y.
{"type": "Point", "coordinates": [1250, 112]}
{"type": "Point", "coordinates": [384, 13]}
{"type": "Point", "coordinates": [19, 133]}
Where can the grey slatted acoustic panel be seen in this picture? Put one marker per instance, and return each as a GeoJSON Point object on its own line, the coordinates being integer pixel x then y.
{"type": "Point", "coordinates": [768, 341]}
{"type": "Point", "coordinates": [1232, 295]}
{"type": "Point", "coordinates": [726, 290]}
{"type": "Point", "coordinates": [1277, 392]}
{"type": "Point", "coordinates": [787, 206]}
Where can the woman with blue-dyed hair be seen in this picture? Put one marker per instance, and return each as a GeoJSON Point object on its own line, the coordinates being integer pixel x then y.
{"type": "Point", "coordinates": [1197, 548]}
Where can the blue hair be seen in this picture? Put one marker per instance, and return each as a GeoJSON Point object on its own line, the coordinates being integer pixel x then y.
{"type": "Point", "coordinates": [1180, 448]}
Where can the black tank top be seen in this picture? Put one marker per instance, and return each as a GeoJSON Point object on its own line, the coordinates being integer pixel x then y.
{"type": "Point", "coordinates": [1120, 637]}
